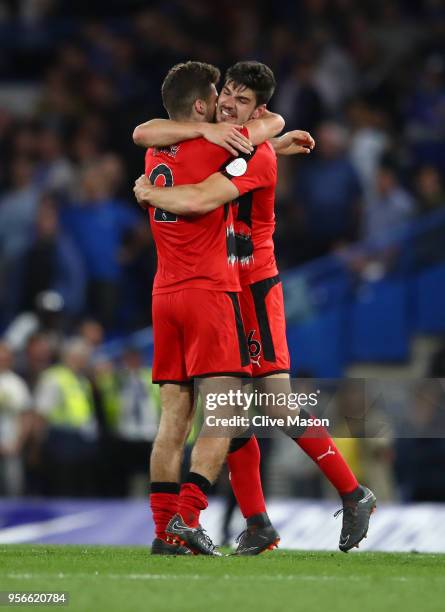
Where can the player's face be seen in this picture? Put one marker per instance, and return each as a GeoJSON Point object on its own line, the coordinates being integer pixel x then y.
{"type": "Point", "coordinates": [211, 105]}
{"type": "Point", "coordinates": [236, 104]}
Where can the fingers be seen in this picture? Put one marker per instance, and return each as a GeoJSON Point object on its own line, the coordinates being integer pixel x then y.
{"type": "Point", "coordinates": [300, 150]}
{"type": "Point", "coordinates": [306, 137]}
{"type": "Point", "coordinates": [139, 191]}
{"type": "Point", "coordinates": [302, 138]}
{"type": "Point", "coordinates": [142, 203]}
{"type": "Point", "coordinates": [230, 138]}
{"type": "Point", "coordinates": [295, 149]}
{"type": "Point", "coordinates": [236, 134]}
{"type": "Point", "coordinates": [240, 145]}
{"type": "Point", "coordinates": [141, 183]}
{"type": "Point", "coordinates": [239, 141]}
{"type": "Point", "coordinates": [228, 147]}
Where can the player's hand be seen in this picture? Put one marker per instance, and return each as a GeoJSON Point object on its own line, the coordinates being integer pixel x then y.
{"type": "Point", "coordinates": [228, 136]}
{"type": "Point", "coordinates": [295, 142]}
{"type": "Point", "coordinates": [141, 191]}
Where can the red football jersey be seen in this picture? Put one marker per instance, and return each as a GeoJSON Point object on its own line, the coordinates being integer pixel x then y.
{"type": "Point", "coordinates": [255, 178]}
{"type": "Point", "coordinates": [198, 252]}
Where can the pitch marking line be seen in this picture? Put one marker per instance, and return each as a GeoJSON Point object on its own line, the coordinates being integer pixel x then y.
{"type": "Point", "coordinates": [296, 577]}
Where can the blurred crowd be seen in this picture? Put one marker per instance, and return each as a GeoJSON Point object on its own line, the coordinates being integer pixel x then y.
{"type": "Point", "coordinates": [73, 422]}
{"type": "Point", "coordinates": [366, 78]}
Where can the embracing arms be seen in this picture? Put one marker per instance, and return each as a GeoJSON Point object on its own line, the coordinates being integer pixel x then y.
{"type": "Point", "coordinates": [217, 189]}
{"type": "Point", "coordinates": [165, 132]}
{"type": "Point", "coordinates": [185, 200]}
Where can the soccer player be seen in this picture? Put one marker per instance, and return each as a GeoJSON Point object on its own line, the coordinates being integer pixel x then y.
{"type": "Point", "coordinates": [251, 182]}
{"type": "Point", "coordinates": [196, 274]}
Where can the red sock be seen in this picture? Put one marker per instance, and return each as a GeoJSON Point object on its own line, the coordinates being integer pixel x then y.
{"type": "Point", "coordinates": [318, 444]}
{"type": "Point", "coordinates": [193, 499]}
{"type": "Point", "coordinates": [164, 498]}
{"type": "Point", "coordinates": [244, 473]}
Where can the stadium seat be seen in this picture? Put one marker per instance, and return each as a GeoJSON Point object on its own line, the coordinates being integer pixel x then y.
{"type": "Point", "coordinates": [317, 345]}
{"type": "Point", "coordinates": [429, 307]}
{"type": "Point", "coordinates": [378, 328]}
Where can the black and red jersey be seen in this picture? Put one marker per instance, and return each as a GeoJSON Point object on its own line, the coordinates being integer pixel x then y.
{"type": "Point", "coordinates": [255, 178]}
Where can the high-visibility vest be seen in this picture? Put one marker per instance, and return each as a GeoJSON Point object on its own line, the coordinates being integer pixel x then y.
{"type": "Point", "coordinates": [76, 407]}
{"type": "Point", "coordinates": [107, 384]}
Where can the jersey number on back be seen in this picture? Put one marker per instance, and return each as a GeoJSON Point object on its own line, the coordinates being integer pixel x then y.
{"type": "Point", "coordinates": [163, 170]}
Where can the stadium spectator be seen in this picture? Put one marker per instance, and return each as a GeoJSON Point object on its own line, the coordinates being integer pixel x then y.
{"type": "Point", "coordinates": [335, 73]}
{"type": "Point", "coordinates": [92, 332]}
{"type": "Point", "coordinates": [18, 209]}
{"type": "Point", "coordinates": [15, 424]}
{"type": "Point", "coordinates": [139, 264]}
{"type": "Point", "coordinates": [369, 140]}
{"type": "Point", "coordinates": [298, 98]}
{"type": "Point", "coordinates": [54, 172]}
{"type": "Point", "coordinates": [23, 140]}
{"type": "Point", "coordinates": [50, 263]}
{"type": "Point", "coordinates": [420, 447]}
{"type": "Point", "coordinates": [127, 410]}
{"type": "Point", "coordinates": [36, 357]}
{"type": "Point", "coordinates": [136, 423]}
{"type": "Point", "coordinates": [388, 208]}
{"type": "Point", "coordinates": [98, 225]}
{"type": "Point", "coordinates": [63, 399]}
{"type": "Point", "coordinates": [46, 317]}
{"type": "Point", "coordinates": [425, 108]}
{"type": "Point", "coordinates": [329, 191]}
{"type": "Point", "coordinates": [430, 192]}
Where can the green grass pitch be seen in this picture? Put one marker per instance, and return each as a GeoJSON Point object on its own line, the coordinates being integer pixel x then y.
{"type": "Point", "coordinates": [109, 579]}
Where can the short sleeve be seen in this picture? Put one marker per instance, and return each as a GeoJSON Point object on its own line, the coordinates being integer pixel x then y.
{"type": "Point", "coordinates": [14, 394]}
{"type": "Point", "coordinates": [47, 395]}
{"type": "Point", "coordinates": [254, 171]}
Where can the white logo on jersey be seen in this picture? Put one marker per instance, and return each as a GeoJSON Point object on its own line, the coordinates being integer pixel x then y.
{"type": "Point", "coordinates": [237, 167]}
{"type": "Point", "coordinates": [328, 452]}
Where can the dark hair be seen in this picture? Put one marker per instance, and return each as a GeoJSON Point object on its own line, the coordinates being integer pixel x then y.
{"type": "Point", "coordinates": [186, 83]}
{"type": "Point", "coordinates": [254, 75]}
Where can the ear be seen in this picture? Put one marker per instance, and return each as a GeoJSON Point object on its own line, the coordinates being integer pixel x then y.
{"type": "Point", "coordinates": [200, 107]}
{"type": "Point", "coordinates": [258, 112]}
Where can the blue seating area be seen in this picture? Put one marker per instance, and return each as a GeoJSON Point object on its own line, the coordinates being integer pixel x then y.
{"type": "Point", "coordinates": [318, 346]}
{"type": "Point", "coordinates": [349, 319]}
{"type": "Point", "coordinates": [378, 323]}
{"type": "Point", "coordinates": [430, 300]}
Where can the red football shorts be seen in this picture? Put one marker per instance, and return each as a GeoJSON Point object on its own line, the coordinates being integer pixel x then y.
{"type": "Point", "coordinates": [197, 333]}
{"type": "Point", "coordinates": [262, 309]}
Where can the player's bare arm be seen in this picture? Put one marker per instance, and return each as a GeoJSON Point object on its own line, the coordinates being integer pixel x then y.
{"type": "Point", "coordinates": [185, 200]}
{"type": "Point", "coordinates": [166, 132]}
{"type": "Point", "coordinates": [265, 128]}
{"type": "Point", "coordinates": [295, 142]}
